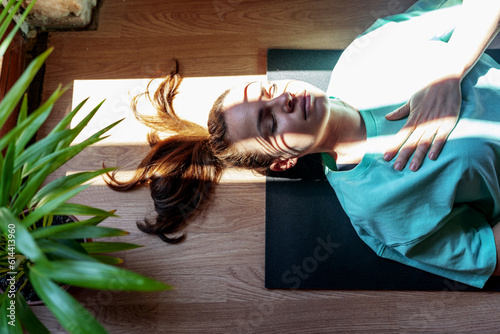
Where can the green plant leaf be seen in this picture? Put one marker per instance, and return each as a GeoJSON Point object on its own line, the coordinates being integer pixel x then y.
{"type": "Point", "coordinates": [6, 174]}
{"type": "Point", "coordinates": [21, 117]}
{"type": "Point", "coordinates": [60, 157]}
{"type": "Point", "coordinates": [49, 231]}
{"type": "Point", "coordinates": [107, 259]}
{"type": "Point", "coordinates": [66, 152]}
{"type": "Point", "coordinates": [34, 152]}
{"type": "Point", "coordinates": [16, 175]}
{"type": "Point", "coordinates": [65, 122]}
{"type": "Point", "coordinates": [23, 110]}
{"type": "Point", "coordinates": [44, 232]}
{"type": "Point", "coordinates": [70, 313]}
{"type": "Point", "coordinates": [7, 323]}
{"type": "Point", "coordinates": [56, 158]}
{"type": "Point", "coordinates": [75, 209]}
{"type": "Point", "coordinates": [54, 248]}
{"type": "Point", "coordinates": [93, 232]}
{"type": "Point", "coordinates": [29, 190]}
{"type": "Point", "coordinates": [37, 122]}
{"type": "Point", "coordinates": [63, 184]}
{"type": "Point", "coordinates": [73, 244]}
{"type": "Point", "coordinates": [3, 14]}
{"type": "Point", "coordinates": [94, 221]}
{"type": "Point", "coordinates": [107, 247]}
{"type": "Point", "coordinates": [20, 127]}
{"type": "Point", "coordinates": [29, 320]}
{"type": "Point", "coordinates": [25, 243]}
{"type": "Point", "coordinates": [51, 206]}
{"type": "Point", "coordinates": [15, 183]}
{"type": "Point", "coordinates": [50, 163]}
{"type": "Point", "coordinates": [97, 136]}
{"type": "Point", "coordinates": [12, 98]}
{"type": "Point", "coordinates": [2, 162]}
{"type": "Point", "coordinates": [79, 127]}
{"type": "Point", "coordinates": [97, 275]}
{"type": "Point", "coordinates": [5, 44]}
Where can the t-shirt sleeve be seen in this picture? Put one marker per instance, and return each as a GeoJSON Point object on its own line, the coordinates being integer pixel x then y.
{"type": "Point", "coordinates": [462, 249]}
{"type": "Point", "coordinates": [370, 71]}
{"type": "Point", "coordinates": [437, 13]}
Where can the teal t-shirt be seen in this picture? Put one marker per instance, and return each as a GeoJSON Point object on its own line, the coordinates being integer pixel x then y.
{"type": "Point", "coordinates": [438, 219]}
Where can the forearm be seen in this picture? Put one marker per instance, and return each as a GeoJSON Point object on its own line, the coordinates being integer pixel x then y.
{"type": "Point", "coordinates": [476, 28]}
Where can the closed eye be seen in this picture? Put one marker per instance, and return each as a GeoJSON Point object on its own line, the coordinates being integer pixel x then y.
{"type": "Point", "coordinates": [274, 123]}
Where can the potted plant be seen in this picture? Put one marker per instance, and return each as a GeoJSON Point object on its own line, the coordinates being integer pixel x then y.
{"type": "Point", "coordinates": [33, 249]}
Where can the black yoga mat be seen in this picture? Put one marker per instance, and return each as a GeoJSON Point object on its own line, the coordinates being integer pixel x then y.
{"type": "Point", "coordinates": [310, 242]}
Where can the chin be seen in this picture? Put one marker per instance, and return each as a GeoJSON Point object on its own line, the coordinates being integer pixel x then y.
{"type": "Point", "coordinates": [321, 106]}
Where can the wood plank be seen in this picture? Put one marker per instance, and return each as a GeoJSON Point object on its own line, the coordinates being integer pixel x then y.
{"type": "Point", "coordinates": [218, 271]}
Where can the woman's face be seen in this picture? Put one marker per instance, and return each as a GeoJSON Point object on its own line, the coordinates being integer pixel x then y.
{"type": "Point", "coordinates": [284, 119]}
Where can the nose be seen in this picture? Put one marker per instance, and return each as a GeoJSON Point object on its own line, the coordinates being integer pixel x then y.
{"type": "Point", "coordinates": [282, 102]}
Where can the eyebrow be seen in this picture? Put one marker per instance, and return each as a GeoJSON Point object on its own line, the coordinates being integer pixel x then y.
{"type": "Point", "coordinates": [261, 111]}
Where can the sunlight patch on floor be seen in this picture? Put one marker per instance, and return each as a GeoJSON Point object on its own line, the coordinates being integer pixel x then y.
{"type": "Point", "coordinates": [194, 101]}
{"type": "Point", "coordinates": [230, 176]}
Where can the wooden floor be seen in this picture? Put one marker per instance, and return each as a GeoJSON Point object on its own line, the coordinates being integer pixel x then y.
{"type": "Point", "coordinates": [218, 273]}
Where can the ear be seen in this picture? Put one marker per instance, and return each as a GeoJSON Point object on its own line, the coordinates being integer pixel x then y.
{"type": "Point", "coordinates": [280, 165]}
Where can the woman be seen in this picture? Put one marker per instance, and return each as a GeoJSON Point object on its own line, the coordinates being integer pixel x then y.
{"type": "Point", "coordinates": [440, 219]}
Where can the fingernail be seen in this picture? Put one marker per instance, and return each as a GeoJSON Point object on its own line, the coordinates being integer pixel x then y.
{"type": "Point", "coordinates": [387, 157]}
{"type": "Point", "coordinates": [432, 156]}
{"type": "Point", "coordinates": [413, 167]}
{"type": "Point", "coordinates": [398, 166]}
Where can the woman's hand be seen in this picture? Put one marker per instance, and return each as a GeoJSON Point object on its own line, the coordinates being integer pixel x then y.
{"type": "Point", "coordinates": [433, 111]}
{"type": "Point", "coordinates": [432, 114]}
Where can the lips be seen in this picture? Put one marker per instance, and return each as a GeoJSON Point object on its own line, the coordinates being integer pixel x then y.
{"type": "Point", "coordinates": [304, 101]}
{"type": "Point", "coordinates": [306, 104]}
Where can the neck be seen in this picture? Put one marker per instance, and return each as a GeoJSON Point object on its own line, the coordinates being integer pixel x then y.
{"type": "Point", "coordinates": [345, 138]}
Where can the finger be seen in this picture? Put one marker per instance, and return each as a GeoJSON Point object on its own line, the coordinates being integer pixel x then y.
{"type": "Point", "coordinates": [421, 151]}
{"type": "Point", "coordinates": [398, 141]}
{"type": "Point", "coordinates": [407, 150]}
{"type": "Point", "coordinates": [399, 113]}
{"type": "Point", "coordinates": [439, 141]}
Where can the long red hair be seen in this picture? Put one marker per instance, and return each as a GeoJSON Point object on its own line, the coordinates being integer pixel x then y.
{"type": "Point", "coordinates": [182, 169]}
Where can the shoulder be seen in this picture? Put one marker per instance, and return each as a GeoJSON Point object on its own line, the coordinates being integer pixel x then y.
{"type": "Point", "coordinates": [372, 68]}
